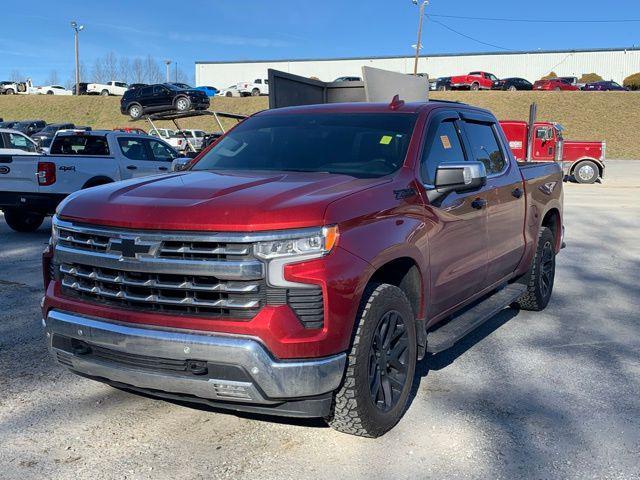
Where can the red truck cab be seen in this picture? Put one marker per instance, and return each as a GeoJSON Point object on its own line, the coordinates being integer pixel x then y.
{"type": "Point", "coordinates": [582, 160]}
{"type": "Point", "coordinates": [474, 81]}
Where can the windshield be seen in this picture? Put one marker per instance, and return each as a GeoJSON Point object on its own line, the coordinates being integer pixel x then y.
{"type": "Point", "coordinates": [359, 145]}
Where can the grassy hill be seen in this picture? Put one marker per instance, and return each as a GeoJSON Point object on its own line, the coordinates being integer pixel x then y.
{"type": "Point", "coordinates": [610, 116]}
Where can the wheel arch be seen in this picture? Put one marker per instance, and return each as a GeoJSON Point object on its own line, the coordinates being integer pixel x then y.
{"type": "Point", "coordinates": [598, 163]}
{"type": "Point", "coordinates": [97, 180]}
{"type": "Point", "coordinates": [553, 221]}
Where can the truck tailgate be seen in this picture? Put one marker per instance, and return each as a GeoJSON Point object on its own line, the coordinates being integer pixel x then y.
{"type": "Point", "coordinates": [18, 173]}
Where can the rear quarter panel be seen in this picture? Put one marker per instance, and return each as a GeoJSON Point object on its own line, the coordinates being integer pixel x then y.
{"type": "Point", "coordinates": [74, 171]}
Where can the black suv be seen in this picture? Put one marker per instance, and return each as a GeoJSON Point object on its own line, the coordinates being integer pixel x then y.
{"type": "Point", "coordinates": [50, 130]}
{"type": "Point", "coordinates": [162, 97]}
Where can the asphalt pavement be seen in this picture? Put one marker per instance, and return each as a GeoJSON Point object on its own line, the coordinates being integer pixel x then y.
{"type": "Point", "coordinates": [543, 395]}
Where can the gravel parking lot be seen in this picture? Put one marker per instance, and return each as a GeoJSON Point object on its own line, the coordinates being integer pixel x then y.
{"type": "Point", "coordinates": [548, 395]}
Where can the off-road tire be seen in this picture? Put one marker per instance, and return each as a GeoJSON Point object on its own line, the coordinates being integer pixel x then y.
{"type": "Point", "coordinates": [535, 299]}
{"type": "Point", "coordinates": [104, 93]}
{"type": "Point", "coordinates": [594, 169]}
{"type": "Point", "coordinates": [182, 104]}
{"type": "Point", "coordinates": [353, 410]}
{"type": "Point", "coordinates": [21, 221]}
{"type": "Point", "coordinates": [135, 111]}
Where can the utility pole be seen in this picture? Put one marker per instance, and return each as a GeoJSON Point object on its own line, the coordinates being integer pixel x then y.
{"type": "Point", "coordinates": [176, 72]}
{"type": "Point", "coordinates": [77, 29]}
{"type": "Point", "coordinates": [167, 63]}
{"type": "Point", "coordinates": [418, 44]}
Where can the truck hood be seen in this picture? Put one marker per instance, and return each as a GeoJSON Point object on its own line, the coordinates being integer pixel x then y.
{"type": "Point", "coordinates": [214, 201]}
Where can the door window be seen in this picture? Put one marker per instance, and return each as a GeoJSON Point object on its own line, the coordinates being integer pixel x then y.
{"type": "Point", "coordinates": [133, 149]}
{"type": "Point", "coordinates": [445, 148]}
{"type": "Point", "coordinates": [20, 142]}
{"type": "Point", "coordinates": [162, 152]}
{"type": "Point", "coordinates": [484, 146]}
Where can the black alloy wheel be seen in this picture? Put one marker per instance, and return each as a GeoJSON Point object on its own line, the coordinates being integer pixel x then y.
{"type": "Point", "coordinates": [388, 364]}
{"type": "Point", "coordinates": [547, 269]}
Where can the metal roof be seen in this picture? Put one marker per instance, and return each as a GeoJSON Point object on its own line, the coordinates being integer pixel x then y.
{"type": "Point", "coordinates": [432, 55]}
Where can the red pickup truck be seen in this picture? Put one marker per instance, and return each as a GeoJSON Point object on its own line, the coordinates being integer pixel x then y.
{"type": "Point", "coordinates": [474, 81]}
{"type": "Point", "coordinates": [582, 160]}
{"type": "Point", "coordinates": [305, 262]}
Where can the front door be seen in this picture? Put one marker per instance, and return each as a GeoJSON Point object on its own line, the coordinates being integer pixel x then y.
{"type": "Point", "coordinates": [136, 159]}
{"type": "Point", "coordinates": [457, 227]}
{"type": "Point", "coordinates": [544, 145]}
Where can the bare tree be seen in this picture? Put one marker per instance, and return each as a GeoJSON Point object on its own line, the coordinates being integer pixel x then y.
{"type": "Point", "coordinates": [97, 72]}
{"type": "Point", "coordinates": [137, 71]}
{"type": "Point", "coordinates": [52, 79]}
{"type": "Point", "coordinates": [16, 76]}
{"type": "Point", "coordinates": [124, 69]}
{"type": "Point", "coordinates": [71, 81]}
{"type": "Point", "coordinates": [110, 66]}
{"type": "Point", "coordinates": [153, 70]}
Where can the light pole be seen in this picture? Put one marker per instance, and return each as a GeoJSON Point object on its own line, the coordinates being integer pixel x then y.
{"type": "Point", "coordinates": [418, 44]}
{"type": "Point", "coordinates": [167, 63]}
{"type": "Point", "coordinates": [77, 29]}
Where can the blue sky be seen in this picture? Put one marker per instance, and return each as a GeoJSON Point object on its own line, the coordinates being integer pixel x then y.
{"type": "Point", "coordinates": [36, 38]}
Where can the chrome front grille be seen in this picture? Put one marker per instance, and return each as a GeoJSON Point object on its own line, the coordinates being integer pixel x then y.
{"type": "Point", "coordinates": [214, 275]}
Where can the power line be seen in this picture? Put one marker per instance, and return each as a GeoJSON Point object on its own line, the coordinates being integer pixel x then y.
{"type": "Point", "coordinates": [528, 20]}
{"type": "Point", "coordinates": [467, 36]}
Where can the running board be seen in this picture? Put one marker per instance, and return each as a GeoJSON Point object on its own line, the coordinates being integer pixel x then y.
{"type": "Point", "coordinates": [456, 329]}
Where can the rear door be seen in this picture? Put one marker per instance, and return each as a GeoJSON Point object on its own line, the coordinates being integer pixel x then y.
{"type": "Point", "coordinates": [504, 195]}
{"type": "Point", "coordinates": [458, 242]}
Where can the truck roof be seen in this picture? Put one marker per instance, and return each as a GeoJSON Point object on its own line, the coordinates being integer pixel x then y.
{"type": "Point", "coordinates": [364, 107]}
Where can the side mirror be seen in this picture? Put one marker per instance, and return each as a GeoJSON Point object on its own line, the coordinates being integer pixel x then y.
{"type": "Point", "coordinates": [180, 163]}
{"type": "Point", "coordinates": [458, 177]}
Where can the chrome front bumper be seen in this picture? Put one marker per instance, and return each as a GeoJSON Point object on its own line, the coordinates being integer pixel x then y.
{"type": "Point", "coordinates": [240, 369]}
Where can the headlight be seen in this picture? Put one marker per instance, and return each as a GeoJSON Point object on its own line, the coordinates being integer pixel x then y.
{"type": "Point", "coordinates": [281, 252]}
{"type": "Point", "coordinates": [316, 244]}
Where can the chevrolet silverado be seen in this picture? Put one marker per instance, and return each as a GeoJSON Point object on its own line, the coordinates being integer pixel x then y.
{"type": "Point", "coordinates": [305, 262]}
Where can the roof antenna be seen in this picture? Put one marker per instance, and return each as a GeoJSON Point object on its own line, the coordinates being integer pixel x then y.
{"type": "Point", "coordinates": [396, 103]}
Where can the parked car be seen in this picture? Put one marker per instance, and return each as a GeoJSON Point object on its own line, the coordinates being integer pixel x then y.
{"type": "Point", "coordinates": [195, 138]}
{"type": "Point", "coordinates": [357, 237]}
{"type": "Point", "coordinates": [473, 81]}
{"type": "Point", "coordinates": [17, 88]}
{"type": "Point", "coordinates": [231, 91]}
{"type": "Point", "coordinates": [50, 130]}
{"type": "Point", "coordinates": [13, 142]}
{"type": "Point", "coordinates": [133, 86]}
{"type": "Point", "coordinates": [170, 136]}
{"type": "Point", "coordinates": [106, 89]}
{"type": "Point", "coordinates": [604, 86]}
{"type": "Point", "coordinates": [210, 91]}
{"type": "Point", "coordinates": [442, 84]}
{"type": "Point", "coordinates": [260, 86]}
{"type": "Point", "coordinates": [348, 79]}
{"type": "Point", "coordinates": [52, 90]}
{"type": "Point", "coordinates": [32, 187]}
{"type": "Point", "coordinates": [571, 81]}
{"type": "Point", "coordinates": [8, 124]}
{"type": "Point", "coordinates": [183, 86]}
{"type": "Point", "coordinates": [82, 89]}
{"type": "Point", "coordinates": [582, 160]}
{"type": "Point", "coordinates": [512, 84]}
{"type": "Point", "coordinates": [29, 127]}
{"type": "Point", "coordinates": [137, 130]}
{"type": "Point", "coordinates": [553, 84]}
{"type": "Point", "coordinates": [163, 133]}
{"type": "Point", "coordinates": [162, 97]}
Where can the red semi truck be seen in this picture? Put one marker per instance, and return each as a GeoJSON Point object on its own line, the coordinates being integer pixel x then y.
{"type": "Point", "coordinates": [305, 262]}
{"type": "Point", "coordinates": [582, 160]}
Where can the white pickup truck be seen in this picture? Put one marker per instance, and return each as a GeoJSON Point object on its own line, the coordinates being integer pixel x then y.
{"type": "Point", "coordinates": [106, 89]}
{"type": "Point", "coordinates": [260, 86]}
{"type": "Point", "coordinates": [32, 186]}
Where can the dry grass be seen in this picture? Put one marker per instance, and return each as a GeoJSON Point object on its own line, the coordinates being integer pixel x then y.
{"type": "Point", "coordinates": [609, 116]}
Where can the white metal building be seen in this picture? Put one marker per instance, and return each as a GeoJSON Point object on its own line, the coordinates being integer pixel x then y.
{"type": "Point", "coordinates": [610, 63]}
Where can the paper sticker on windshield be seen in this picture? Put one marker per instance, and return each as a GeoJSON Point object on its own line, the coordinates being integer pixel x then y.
{"type": "Point", "coordinates": [446, 144]}
{"type": "Point", "coordinates": [386, 140]}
